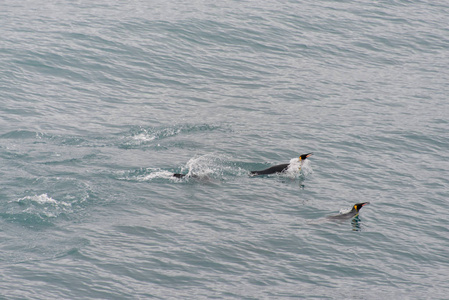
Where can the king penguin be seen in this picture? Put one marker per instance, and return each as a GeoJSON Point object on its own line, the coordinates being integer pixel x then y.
{"type": "Point", "coordinates": [279, 168]}
{"type": "Point", "coordinates": [349, 215]}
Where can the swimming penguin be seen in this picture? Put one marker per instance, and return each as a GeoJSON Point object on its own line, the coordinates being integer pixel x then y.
{"type": "Point", "coordinates": [178, 175]}
{"type": "Point", "coordinates": [354, 212]}
{"type": "Point", "coordinates": [279, 168]}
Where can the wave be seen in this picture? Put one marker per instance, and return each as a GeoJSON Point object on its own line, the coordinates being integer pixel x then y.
{"type": "Point", "coordinates": [46, 200]}
{"type": "Point", "coordinates": [41, 137]}
{"type": "Point", "coordinates": [139, 136]}
{"type": "Point", "coordinates": [42, 199]}
{"type": "Point", "coordinates": [22, 134]}
{"type": "Point", "coordinates": [36, 210]}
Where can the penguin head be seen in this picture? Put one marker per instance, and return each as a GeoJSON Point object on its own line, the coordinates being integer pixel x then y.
{"type": "Point", "coordinates": [304, 156]}
{"type": "Point", "coordinates": [359, 206]}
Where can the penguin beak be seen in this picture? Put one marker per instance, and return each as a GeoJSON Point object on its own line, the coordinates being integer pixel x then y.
{"type": "Point", "coordinates": [305, 156]}
{"type": "Point", "coordinates": [363, 204]}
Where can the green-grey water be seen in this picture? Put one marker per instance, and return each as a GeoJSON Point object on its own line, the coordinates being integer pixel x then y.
{"type": "Point", "coordinates": [102, 101]}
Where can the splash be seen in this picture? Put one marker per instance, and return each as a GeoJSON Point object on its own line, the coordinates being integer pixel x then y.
{"type": "Point", "coordinates": [208, 167]}
{"type": "Point", "coordinates": [298, 168]}
{"type": "Point", "coordinates": [144, 137]}
{"type": "Point", "coordinates": [202, 166]}
{"type": "Point", "coordinates": [42, 199]}
{"type": "Point", "coordinates": [144, 174]}
{"type": "Point", "coordinates": [159, 174]}
{"type": "Point", "coordinates": [211, 166]}
{"type": "Point", "coordinates": [41, 206]}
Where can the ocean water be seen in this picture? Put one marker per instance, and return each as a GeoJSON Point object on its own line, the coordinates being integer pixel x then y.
{"type": "Point", "coordinates": [101, 101]}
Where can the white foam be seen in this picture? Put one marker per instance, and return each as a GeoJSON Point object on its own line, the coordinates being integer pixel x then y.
{"type": "Point", "coordinates": [204, 166]}
{"type": "Point", "coordinates": [43, 199]}
{"type": "Point", "coordinates": [150, 135]}
{"type": "Point", "coordinates": [297, 168]}
{"type": "Point", "coordinates": [156, 175]}
{"type": "Point", "coordinates": [306, 168]}
{"type": "Point", "coordinates": [144, 137]}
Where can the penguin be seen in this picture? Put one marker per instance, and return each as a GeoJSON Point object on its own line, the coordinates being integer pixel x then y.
{"type": "Point", "coordinates": [279, 168]}
{"type": "Point", "coordinates": [349, 215]}
{"type": "Point", "coordinates": [178, 175]}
